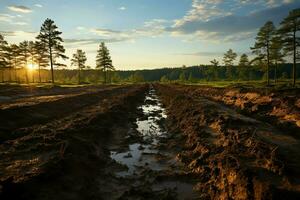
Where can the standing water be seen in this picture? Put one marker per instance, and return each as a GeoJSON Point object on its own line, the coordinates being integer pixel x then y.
{"type": "Point", "coordinates": [145, 157]}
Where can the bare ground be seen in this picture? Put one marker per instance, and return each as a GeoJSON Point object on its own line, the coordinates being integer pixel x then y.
{"type": "Point", "coordinates": [213, 143]}
{"type": "Point", "coordinates": [236, 156]}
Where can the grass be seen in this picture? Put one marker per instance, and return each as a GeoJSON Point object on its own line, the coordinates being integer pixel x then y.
{"type": "Point", "coordinates": [281, 84]}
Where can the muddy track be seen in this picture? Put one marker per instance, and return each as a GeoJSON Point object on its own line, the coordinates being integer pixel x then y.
{"type": "Point", "coordinates": [62, 159]}
{"type": "Point", "coordinates": [38, 110]}
{"type": "Point", "coordinates": [235, 156]}
{"type": "Point", "coordinates": [280, 108]}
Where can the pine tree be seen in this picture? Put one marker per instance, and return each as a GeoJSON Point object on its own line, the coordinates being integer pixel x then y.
{"type": "Point", "coordinates": [50, 36]}
{"type": "Point", "coordinates": [243, 66]}
{"type": "Point", "coordinates": [276, 53]}
{"type": "Point", "coordinates": [262, 45]}
{"type": "Point", "coordinates": [244, 61]}
{"type": "Point", "coordinates": [228, 60]}
{"type": "Point", "coordinates": [291, 40]}
{"type": "Point", "coordinates": [24, 57]}
{"type": "Point", "coordinates": [214, 62]}
{"type": "Point", "coordinates": [3, 58]}
{"type": "Point", "coordinates": [79, 60]}
{"type": "Point", "coordinates": [9, 61]}
{"type": "Point", "coordinates": [32, 58]}
{"type": "Point", "coordinates": [103, 60]}
{"type": "Point", "coordinates": [41, 57]}
{"type": "Point", "coordinates": [16, 62]}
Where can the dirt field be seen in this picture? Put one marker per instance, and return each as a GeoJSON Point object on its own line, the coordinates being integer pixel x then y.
{"type": "Point", "coordinates": [149, 142]}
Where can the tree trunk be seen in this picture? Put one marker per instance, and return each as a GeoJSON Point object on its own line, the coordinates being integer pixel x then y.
{"type": "Point", "coordinates": [79, 75]}
{"type": "Point", "coordinates": [105, 76]}
{"type": "Point", "coordinates": [51, 64]}
{"type": "Point", "coordinates": [26, 73]}
{"type": "Point", "coordinates": [15, 68]}
{"type": "Point", "coordinates": [294, 58]}
{"type": "Point", "coordinates": [268, 65]}
{"type": "Point", "coordinates": [2, 75]}
{"type": "Point", "coordinates": [275, 75]}
{"type": "Point", "coordinates": [10, 74]}
{"type": "Point", "coordinates": [40, 80]}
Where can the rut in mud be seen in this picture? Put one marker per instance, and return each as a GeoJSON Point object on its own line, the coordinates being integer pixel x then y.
{"type": "Point", "coordinates": [234, 156]}
{"type": "Point", "coordinates": [143, 142]}
{"type": "Point", "coordinates": [148, 163]}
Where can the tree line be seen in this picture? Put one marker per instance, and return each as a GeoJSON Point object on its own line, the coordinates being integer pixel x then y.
{"type": "Point", "coordinates": [47, 50]}
{"type": "Point", "coordinates": [273, 49]}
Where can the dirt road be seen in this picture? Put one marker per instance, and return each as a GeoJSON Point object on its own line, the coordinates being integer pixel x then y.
{"type": "Point", "coordinates": [143, 142]}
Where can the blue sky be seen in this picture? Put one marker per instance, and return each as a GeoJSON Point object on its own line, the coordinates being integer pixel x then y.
{"type": "Point", "coordinates": [146, 33]}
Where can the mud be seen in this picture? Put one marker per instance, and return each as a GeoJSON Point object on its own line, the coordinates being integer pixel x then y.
{"type": "Point", "coordinates": [144, 142]}
{"type": "Point", "coordinates": [65, 158]}
{"type": "Point", "coordinates": [280, 107]}
{"type": "Point", "coordinates": [25, 112]}
{"type": "Point", "coordinates": [234, 156]}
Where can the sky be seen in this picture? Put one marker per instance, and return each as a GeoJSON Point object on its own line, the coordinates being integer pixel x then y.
{"type": "Point", "coordinates": [146, 34]}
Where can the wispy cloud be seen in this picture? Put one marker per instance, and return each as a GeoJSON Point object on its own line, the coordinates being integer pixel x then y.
{"type": "Point", "coordinates": [22, 9]}
{"type": "Point", "coordinates": [226, 27]}
{"type": "Point", "coordinates": [19, 34]}
{"type": "Point", "coordinates": [6, 17]}
{"type": "Point", "coordinates": [11, 19]}
{"type": "Point", "coordinates": [122, 8]}
{"type": "Point", "coordinates": [38, 5]}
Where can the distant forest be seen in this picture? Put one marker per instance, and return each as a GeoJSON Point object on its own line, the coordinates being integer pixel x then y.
{"type": "Point", "coordinates": [183, 74]}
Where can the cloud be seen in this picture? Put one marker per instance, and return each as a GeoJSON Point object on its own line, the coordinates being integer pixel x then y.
{"type": "Point", "coordinates": [22, 9]}
{"type": "Point", "coordinates": [122, 8]}
{"type": "Point", "coordinates": [38, 5]}
{"type": "Point", "coordinates": [152, 28]}
{"type": "Point", "coordinates": [104, 32]}
{"type": "Point", "coordinates": [6, 18]}
{"type": "Point", "coordinates": [202, 10]}
{"type": "Point", "coordinates": [18, 33]}
{"type": "Point", "coordinates": [229, 28]}
{"type": "Point", "coordinates": [210, 54]}
{"type": "Point", "coordinates": [11, 20]}
{"type": "Point", "coordinates": [79, 43]}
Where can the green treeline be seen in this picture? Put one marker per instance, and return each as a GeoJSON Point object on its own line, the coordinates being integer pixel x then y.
{"type": "Point", "coordinates": [183, 74]}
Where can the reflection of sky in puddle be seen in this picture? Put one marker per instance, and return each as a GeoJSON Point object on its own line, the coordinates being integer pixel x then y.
{"type": "Point", "coordinates": [146, 156]}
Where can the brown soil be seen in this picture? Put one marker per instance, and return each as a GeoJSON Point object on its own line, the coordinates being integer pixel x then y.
{"type": "Point", "coordinates": [235, 156]}
{"type": "Point", "coordinates": [63, 158]}
{"type": "Point", "coordinates": [279, 107]}
{"type": "Point", "coordinates": [227, 142]}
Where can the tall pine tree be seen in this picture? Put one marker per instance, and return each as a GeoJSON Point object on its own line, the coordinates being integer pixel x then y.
{"type": "Point", "coordinates": [50, 36]}
{"type": "Point", "coordinates": [276, 53]}
{"type": "Point", "coordinates": [79, 60]}
{"type": "Point", "coordinates": [16, 62]}
{"type": "Point", "coordinates": [24, 57]}
{"type": "Point", "coordinates": [262, 45]}
{"type": "Point", "coordinates": [103, 60]}
{"type": "Point", "coordinates": [41, 57]}
{"type": "Point", "coordinates": [228, 60]}
{"type": "Point", "coordinates": [3, 58]}
{"type": "Point", "coordinates": [288, 29]}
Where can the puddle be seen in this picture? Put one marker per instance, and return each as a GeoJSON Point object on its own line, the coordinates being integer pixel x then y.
{"type": "Point", "coordinates": [143, 156]}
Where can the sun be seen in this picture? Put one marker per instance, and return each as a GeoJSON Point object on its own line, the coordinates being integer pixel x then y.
{"type": "Point", "coordinates": [31, 66]}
